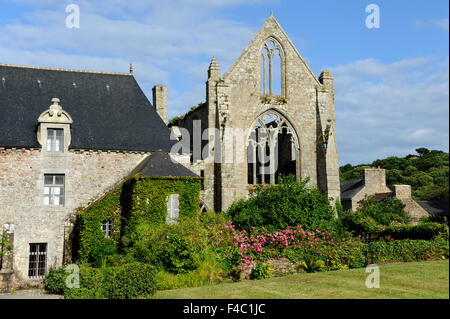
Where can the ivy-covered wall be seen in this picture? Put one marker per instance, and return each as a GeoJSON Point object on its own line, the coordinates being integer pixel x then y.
{"type": "Point", "coordinates": [136, 199]}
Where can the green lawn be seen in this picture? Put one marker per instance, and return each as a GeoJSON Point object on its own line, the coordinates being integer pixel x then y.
{"type": "Point", "coordinates": [428, 279]}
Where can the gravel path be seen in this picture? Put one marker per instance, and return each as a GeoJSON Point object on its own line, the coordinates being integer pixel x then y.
{"type": "Point", "coordinates": [30, 294]}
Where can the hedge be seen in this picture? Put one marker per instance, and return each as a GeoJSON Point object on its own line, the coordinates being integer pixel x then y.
{"type": "Point", "coordinates": [129, 281]}
{"type": "Point", "coordinates": [406, 250]}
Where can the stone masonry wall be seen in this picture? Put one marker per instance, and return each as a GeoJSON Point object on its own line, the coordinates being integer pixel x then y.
{"type": "Point", "coordinates": [88, 175]}
{"type": "Point", "coordinates": [239, 102]}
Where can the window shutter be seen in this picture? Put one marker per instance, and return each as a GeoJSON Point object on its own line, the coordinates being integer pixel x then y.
{"type": "Point", "coordinates": [172, 209]}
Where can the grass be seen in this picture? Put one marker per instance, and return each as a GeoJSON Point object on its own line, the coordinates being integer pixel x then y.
{"type": "Point", "coordinates": [427, 279]}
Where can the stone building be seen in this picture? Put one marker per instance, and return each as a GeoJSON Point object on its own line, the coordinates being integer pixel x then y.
{"type": "Point", "coordinates": [374, 183]}
{"type": "Point", "coordinates": [267, 116]}
{"type": "Point", "coordinates": [66, 138]}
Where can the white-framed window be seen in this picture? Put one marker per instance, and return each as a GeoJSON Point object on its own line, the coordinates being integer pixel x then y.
{"type": "Point", "coordinates": [55, 139]}
{"type": "Point", "coordinates": [107, 227]}
{"type": "Point", "coordinates": [172, 208]}
{"type": "Point", "coordinates": [54, 189]}
{"type": "Point", "coordinates": [37, 261]}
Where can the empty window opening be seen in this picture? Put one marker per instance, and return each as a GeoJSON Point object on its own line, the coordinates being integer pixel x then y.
{"type": "Point", "coordinates": [271, 149]}
{"type": "Point", "coordinates": [202, 175]}
{"type": "Point", "coordinates": [271, 68]}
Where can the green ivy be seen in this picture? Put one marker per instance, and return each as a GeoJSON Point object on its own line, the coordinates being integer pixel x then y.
{"type": "Point", "coordinates": [137, 199]}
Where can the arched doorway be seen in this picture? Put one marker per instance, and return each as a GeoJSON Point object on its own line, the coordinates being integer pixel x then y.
{"type": "Point", "coordinates": [272, 149]}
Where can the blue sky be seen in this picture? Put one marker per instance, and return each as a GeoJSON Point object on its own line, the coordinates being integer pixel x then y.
{"type": "Point", "coordinates": [391, 83]}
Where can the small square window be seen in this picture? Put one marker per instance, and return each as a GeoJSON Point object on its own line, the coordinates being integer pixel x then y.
{"type": "Point", "coordinates": [107, 227]}
{"type": "Point", "coordinates": [54, 189]}
{"type": "Point", "coordinates": [55, 140]}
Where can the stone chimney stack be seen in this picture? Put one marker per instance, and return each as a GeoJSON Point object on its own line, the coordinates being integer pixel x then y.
{"type": "Point", "coordinates": [160, 101]}
{"type": "Point", "coordinates": [375, 180]}
{"type": "Point", "coordinates": [402, 191]}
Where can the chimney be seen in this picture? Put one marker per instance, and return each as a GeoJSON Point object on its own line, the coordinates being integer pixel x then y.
{"type": "Point", "coordinates": [375, 179]}
{"type": "Point", "coordinates": [402, 191]}
{"type": "Point", "coordinates": [160, 101]}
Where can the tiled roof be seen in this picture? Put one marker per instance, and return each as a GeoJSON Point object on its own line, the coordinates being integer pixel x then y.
{"type": "Point", "coordinates": [109, 110]}
{"type": "Point", "coordinates": [351, 188]}
{"type": "Point", "coordinates": [161, 164]}
{"type": "Point", "coordinates": [435, 208]}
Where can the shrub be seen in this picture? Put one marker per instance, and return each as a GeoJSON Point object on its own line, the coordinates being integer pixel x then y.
{"type": "Point", "coordinates": [368, 227]}
{"type": "Point", "coordinates": [290, 203]}
{"type": "Point", "coordinates": [5, 246]}
{"type": "Point", "coordinates": [384, 212]}
{"type": "Point", "coordinates": [174, 248]}
{"type": "Point", "coordinates": [130, 281]}
{"type": "Point", "coordinates": [55, 280]}
{"type": "Point", "coordinates": [91, 284]}
{"type": "Point", "coordinates": [312, 264]}
{"type": "Point", "coordinates": [262, 271]}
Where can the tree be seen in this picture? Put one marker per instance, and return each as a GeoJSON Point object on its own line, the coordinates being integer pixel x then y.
{"type": "Point", "coordinates": [422, 151]}
{"type": "Point", "coordinates": [427, 173]}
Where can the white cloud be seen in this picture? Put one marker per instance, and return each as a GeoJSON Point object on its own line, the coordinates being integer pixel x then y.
{"type": "Point", "coordinates": [441, 23]}
{"type": "Point", "coordinates": [391, 109]}
{"type": "Point", "coordinates": [168, 42]}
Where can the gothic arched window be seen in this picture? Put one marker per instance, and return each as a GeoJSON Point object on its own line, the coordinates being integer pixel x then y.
{"type": "Point", "coordinates": [272, 68]}
{"type": "Point", "coordinates": [272, 149]}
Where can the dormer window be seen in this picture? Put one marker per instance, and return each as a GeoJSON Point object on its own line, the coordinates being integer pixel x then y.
{"type": "Point", "coordinates": [54, 130]}
{"type": "Point", "coordinates": [55, 140]}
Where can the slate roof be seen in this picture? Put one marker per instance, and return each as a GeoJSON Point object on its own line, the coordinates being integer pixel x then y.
{"type": "Point", "coordinates": [118, 118]}
{"type": "Point", "coordinates": [160, 164]}
{"type": "Point", "coordinates": [435, 208]}
{"type": "Point", "coordinates": [351, 188]}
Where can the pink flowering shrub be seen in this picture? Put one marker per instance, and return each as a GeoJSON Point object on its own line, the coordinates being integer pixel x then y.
{"type": "Point", "coordinates": [294, 241]}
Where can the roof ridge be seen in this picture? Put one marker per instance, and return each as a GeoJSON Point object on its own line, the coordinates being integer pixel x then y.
{"type": "Point", "coordinates": [63, 70]}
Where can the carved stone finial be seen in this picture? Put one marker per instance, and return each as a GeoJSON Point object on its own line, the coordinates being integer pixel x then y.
{"type": "Point", "coordinates": [55, 108]}
{"type": "Point", "coordinates": [271, 13]}
{"type": "Point", "coordinates": [214, 65]}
